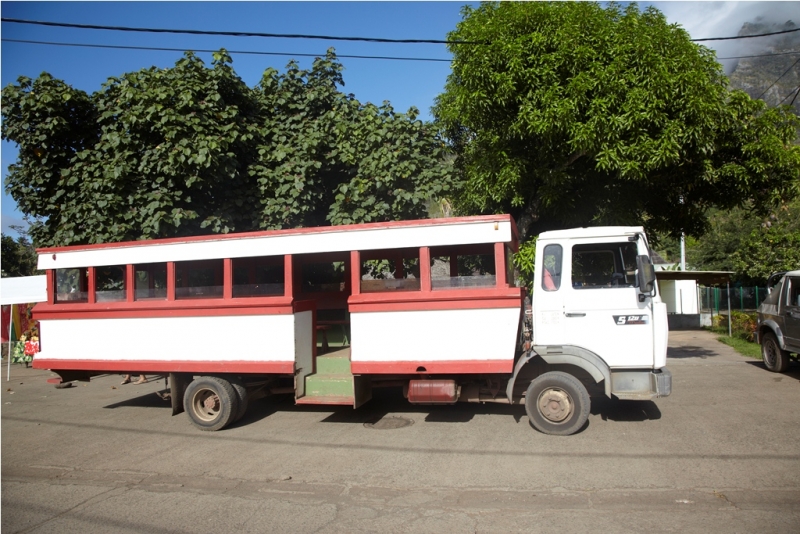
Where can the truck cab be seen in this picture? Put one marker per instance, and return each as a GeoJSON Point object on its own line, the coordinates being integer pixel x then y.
{"type": "Point", "coordinates": [596, 313]}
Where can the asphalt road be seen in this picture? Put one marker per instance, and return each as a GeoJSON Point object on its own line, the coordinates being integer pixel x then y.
{"type": "Point", "coordinates": [721, 454]}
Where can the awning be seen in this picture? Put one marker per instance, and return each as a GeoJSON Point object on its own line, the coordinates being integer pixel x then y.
{"type": "Point", "coordinates": [705, 278]}
{"type": "Point", "coordinates": [23, 290]}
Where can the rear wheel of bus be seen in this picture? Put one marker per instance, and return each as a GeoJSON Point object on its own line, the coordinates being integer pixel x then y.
{"type": "Point", "coordinates": [211, 403]}
{"type": "Point", "coordinates": [557, 403]}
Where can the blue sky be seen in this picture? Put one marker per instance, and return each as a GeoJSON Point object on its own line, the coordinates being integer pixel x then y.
{"type": "Point", "coordinates": [403, 83]}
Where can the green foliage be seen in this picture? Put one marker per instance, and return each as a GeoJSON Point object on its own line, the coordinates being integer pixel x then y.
{"type": "Point", "coordinates": [752, 247]}
{"type": "Point", "coordinates": [766, 250]}
{"type": "Point", "coordinates": [19, 256]}
{"type": "Point", "coordinates": [525, 261]}
{"type": "Point", "coordinates": [574, 114]}
{"type": "Point", "coordinates": [743, 325]}
{"type": "Point", "coordinates": [192, 150]}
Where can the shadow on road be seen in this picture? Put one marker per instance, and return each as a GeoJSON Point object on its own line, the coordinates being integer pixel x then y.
{"type": "Point", "coordinates": [625, 411]}
{"type": "Point", "coordinates": [793, 372]}
{"type": "Point", "coordinates": [148, 400]}
{"type": "Point", "coordinates": [689, 351]}
{"type": "Point", "coordinates": [391, 403]}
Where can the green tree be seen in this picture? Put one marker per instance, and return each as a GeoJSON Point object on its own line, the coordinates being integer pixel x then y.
{"type": "Point", "coordinates": [773, 245]}
{"type": "Point", "coordinates": [738, 240]}
{"type": "Point", "coordinates": [19, 256]}
{"type": "Point", "coordinates": [571, 114]}
{"type": "Point", "coordinates": [193, 150]}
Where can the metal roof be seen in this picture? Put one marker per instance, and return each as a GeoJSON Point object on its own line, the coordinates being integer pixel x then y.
{"type": "Point", "coordinates": [706, 278]}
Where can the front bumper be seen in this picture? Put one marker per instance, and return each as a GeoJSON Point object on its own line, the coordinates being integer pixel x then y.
{"type": "Point", "coordinates": [641, 385]}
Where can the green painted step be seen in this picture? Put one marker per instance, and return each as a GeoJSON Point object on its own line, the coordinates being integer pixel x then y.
{"type": "Point", "coordinates": [333, 364]}
{"type": "Point", "coordinates": [335, 385]}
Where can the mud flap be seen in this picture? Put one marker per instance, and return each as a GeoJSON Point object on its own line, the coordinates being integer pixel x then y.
{"type": "Point", "coordinates": [178, 383]}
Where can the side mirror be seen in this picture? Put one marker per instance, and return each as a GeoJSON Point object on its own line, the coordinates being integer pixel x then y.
{"type": "Point", "coordinates": [646, 274]}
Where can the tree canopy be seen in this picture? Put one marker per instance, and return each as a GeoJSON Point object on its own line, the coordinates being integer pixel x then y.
{"type": "Point", "coordinates": [193, 150]}
{"type": "Point", "coordinates": [19, 256]}
{"type": "Point", "coordinates": [752, 247]}
{"type": "Point", "coordinates": [571, 114]}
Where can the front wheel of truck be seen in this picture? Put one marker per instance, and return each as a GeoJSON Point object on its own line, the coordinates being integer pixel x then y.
{"type": "Point", "coordinates": [557, 404]}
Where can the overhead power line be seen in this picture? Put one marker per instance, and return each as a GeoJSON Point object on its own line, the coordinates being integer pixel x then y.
{"type": "Point", "coordinates": [237, 34]}
{"type": "Point", "coordinates": [763, 55]}
{"type": "Point", "coordinates": [250, 52]}
{"type": "Point", "coordinates": [297, 54]}
{"type": "Point", "coordinates": [779, 77]}
{"type": "Point", "coordinates": [305, 36]}
{"type": "Point", "coordinates": [795, 96]}
{"type": "Point", "coordinates": [792, 92]}
{"type": "Point", "coordinates": [746, 36]}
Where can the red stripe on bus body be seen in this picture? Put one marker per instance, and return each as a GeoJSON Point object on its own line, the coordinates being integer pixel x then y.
{"type": "Point", "coordinates": [171, 310]}
{"type": "Point", "coordinates": [429, 367]}
{"type": "Point", "coordinates": [435, 300]}
{"type": "Point", "coordinates": [166, 366]}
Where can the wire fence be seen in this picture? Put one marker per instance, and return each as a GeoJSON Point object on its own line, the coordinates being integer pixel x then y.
{"type": "Point", "coordinates": [715, 299]}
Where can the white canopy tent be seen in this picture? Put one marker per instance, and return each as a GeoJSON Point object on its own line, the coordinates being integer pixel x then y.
{"type": "Point", "coordinates": [21, 290]}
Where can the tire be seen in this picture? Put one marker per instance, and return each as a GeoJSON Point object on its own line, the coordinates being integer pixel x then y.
{"type": "Point", "coordinates": [241, 395]}
{"type": "Point", "coordinates": [211, 403]}
{"type": "Point", "coordinates": [775, 359]}
{"type": "Point", "coordinates": [557, 404]}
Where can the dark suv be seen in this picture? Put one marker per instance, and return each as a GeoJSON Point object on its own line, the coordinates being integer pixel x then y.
{"type": "Point", "coordinates": [779, 321]}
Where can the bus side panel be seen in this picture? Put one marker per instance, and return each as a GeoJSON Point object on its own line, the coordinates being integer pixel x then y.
{"type": "Point", "coordinates": [253, 343]}
{"type": "Point", "coordinates": [438, 341]}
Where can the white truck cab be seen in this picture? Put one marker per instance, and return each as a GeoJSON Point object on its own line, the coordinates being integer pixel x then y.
{"type": "Point", "coordinates": [595, 308]}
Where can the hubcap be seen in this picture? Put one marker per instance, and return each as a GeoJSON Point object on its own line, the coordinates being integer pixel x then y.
{"type": "Point", "coordinates": [206, 405]}
{"type": "Point", "coordinates": [770, 355]}
{"type": "Point", "coordinates": [555, 405]}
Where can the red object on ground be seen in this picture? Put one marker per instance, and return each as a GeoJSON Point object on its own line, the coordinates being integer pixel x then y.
{"type": "Point", "coordinates": [56, 380]}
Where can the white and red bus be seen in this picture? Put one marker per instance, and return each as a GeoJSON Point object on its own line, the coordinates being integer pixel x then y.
{"type": "Point", "coordinates": [327, 313]}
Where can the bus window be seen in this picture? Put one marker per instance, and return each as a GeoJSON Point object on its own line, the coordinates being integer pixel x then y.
{"type": "Point", "coordinates": [151, 281]}
{"type": "Point", "coordinates": [324, 277]}
{"type": "Point", "coordinates": [109, 283]}
{"type": "Point", "coordinates": [71, 285]}
{"type": "Point", "coordinates": [396, 270]}
{"type": "Point", "coordinates": [463, 267]}
{"type": "Point", "coordinates": [198, 279]}
{"type": "Point", "coordinates": [258, 277]}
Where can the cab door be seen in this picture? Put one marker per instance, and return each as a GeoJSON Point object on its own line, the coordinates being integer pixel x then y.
{"type": "Point", "coordinates": [602, 310]}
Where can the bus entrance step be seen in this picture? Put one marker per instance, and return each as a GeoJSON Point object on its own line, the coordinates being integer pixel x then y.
{"type": "Point", "coordinates": [329, 385]}
{"type": "Point", "coordinates": [326, 399]}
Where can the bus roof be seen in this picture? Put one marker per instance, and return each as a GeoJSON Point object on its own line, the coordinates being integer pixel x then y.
{"type": "Point", "coordinates": [371, 236]}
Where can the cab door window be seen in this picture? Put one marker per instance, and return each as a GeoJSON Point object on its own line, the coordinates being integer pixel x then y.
{"type": "Point", "coordinates": [604, 265]}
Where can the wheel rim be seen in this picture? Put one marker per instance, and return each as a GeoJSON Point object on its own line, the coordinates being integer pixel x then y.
{"type": "Point", "coordinates": [206, 405]}
{"type": "Point", "coordinates": [555, 405]}
{"type": "Point", "coordinates": [770, 353]}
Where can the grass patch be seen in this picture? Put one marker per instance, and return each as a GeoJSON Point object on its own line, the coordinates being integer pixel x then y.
{"type": "Point", "coordinates": [745, 348]}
